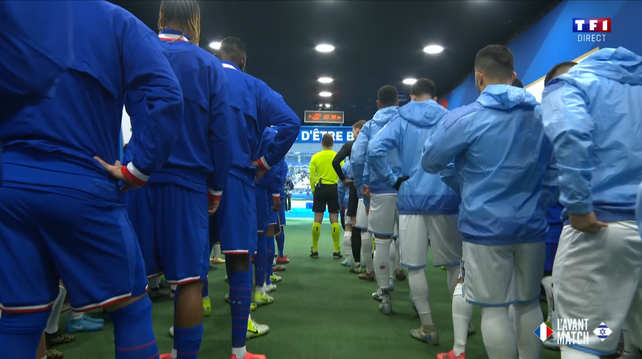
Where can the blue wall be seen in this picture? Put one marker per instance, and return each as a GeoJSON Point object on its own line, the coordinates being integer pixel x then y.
{"type": "Point", "coordinates": [552, 41]}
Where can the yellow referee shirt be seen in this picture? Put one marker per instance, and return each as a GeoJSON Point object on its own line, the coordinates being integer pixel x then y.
{"type": "Point", "coordinates": [321, 169]}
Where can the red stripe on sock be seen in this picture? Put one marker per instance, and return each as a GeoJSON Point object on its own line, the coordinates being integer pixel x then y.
{"type": "Point", "coordinates": [235, 288]}
{"type": "Point", "coordinates": [154, 356]}
{"type": "Point", "coordinates": [240, 296]}
{"type": "Point", "coordinates": [181, 353]}
{"type": "Point", "coordinates": [140, 347]}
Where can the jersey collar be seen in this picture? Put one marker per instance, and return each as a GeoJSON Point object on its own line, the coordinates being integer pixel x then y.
{"type": "Point", "coordinates": [172, 35]}
{"type": "Point", "coordinates": [229, 65]}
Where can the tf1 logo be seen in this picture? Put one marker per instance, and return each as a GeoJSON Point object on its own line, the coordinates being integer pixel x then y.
{"type": "Point", "coordinates": [592, 25]}
{"type": "Point", "coordinates": [591, 30]}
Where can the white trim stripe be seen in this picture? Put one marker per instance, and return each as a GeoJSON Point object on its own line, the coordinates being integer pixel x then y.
{"type": "Point", "coordinates": [182, 281]}
{"type": "Point", "coordinates": [136, 173]}
{"type": "Point", "coordinates": [228, 66]}
{"type": "Point", "coordinates": [172, 37]}
{"type": "Point", "coordinates": [29, 308]}
{"type": "Point", "coordinates": [276, 195]}
{"type": "Point", "coordinates": [215, 193]}
{"type": "Point", "coordinates": [265, 163]}
{"type": "Point", "coordinates": [102, 304]}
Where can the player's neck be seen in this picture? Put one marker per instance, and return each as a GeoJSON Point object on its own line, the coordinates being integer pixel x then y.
{"type": "Point", "coordinates": [175, 25]}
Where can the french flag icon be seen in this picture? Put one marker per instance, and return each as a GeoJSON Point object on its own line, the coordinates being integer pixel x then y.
{"type": "Point", "coordinates": [543, 332]}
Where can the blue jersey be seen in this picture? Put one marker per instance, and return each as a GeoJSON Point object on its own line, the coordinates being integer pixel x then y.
{"type": "Point", "coordinates": [593, 116]}
{"type": "Point", "coordinates": [359, 154]}
{"type": "Point", "coordinates": [62, 135]}
{"type": "Point", "coordinates": [422, 193]}
{"type": "Point", "coordinates": [36, 49]}
{"type": "Point", "coordinates": [502, 155]}
{"type": "Point", "coordinates": [254, 106]}
{"type": "Point", "coordinates": [203, 146]}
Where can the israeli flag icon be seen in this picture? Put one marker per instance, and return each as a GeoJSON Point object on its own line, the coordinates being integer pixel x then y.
{"type": "Point", "coordinates": [602, 331]}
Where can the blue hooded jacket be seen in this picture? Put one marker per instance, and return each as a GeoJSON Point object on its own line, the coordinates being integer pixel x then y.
{"type": "Point", "coordinates": [501, 155]}
{"type": "Point", "coordinates": [359, 155]}
{"type": "Point", "coordinates": [422, 193]}
{"type": "Point", "coordinates": [593, 117]}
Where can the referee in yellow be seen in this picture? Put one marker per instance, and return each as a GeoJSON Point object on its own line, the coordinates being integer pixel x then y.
{"type": "Point", "coordinates": [323, 183]}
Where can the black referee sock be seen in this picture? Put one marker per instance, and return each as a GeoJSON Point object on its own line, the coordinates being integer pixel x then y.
{"type": "Point", "coordinates": [355, 241]}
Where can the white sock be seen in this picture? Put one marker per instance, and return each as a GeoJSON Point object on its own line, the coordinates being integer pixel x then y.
{"type": "Point", "coordinates": [366, 248]}
{"type": "Point", "coordinates": [419, 294]}
{"type": "Point", "coordinates": [75, 315]}
{"type": "Point", "coordinates": [239, 352]}
{"type": "Point", "coordinates": [216, 251]}
{"type": "Point", "coordinates": [392, 264]}
{"type": "Point", "coordinates": [54, 316]}
{"type": "Point", "coordinates": [570, 353]}
{"type": "Point", "coordinates": [173, 287]}
{"type": "Point", "coordinates": [260, 289]}
{"type": "Point", "coordinates": [174, 353]}
{"type": "Point", "coordinates": [347, 244]}
{"type": "Point", "coordinates": [528, 316]}
{"type": "Point", "coordinates": [381, 259]}
{"type": "Point", "coordinates": [397, 254]}
{"type": "Point", "coordinates": [154, 282]}
{"type": "Point", "coordinates": [452, 273]}
{"type": "Point", "coordinates": [497, 333]}
{"type": "Point", "coordinates": [547, 283]}
{"type": "Point", "coordinates": [462, 313]}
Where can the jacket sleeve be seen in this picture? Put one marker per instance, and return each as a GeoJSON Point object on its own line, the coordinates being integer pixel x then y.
{"type": "Point", "coordinates": [358, 156]}
{"type": "Point", "coordinates": [338, 160]}
{"type": "Point", "coordinates": [287, 123]}
{"type": "Point", "coordinates": [219, 141]}
{"type": "Point", "coordinates": [149, 75]}
{"type": "Point", "coordinates": [445, 144]}
{"type": "Point", "coordinates": [273, 179]}
{"type": "Point", "coordinates": [449, 177]}
{"type": "Point", "coordinates": [36, 49]}
{"type": "Point", "coordinates": [387, 139]}
{"type": "Point", "coordinates": [570, 129]}
{"type": "Point", "coordinates": [313, 173]}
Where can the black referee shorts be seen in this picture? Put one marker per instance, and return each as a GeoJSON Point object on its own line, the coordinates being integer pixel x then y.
{"type": "Point", "coordinates": [353, 202]}
{"type": "Point", "coordinates": [325, 195]}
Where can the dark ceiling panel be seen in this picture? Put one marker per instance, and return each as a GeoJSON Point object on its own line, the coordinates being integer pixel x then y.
{"type": "Point", "coordinates": [377, 43]}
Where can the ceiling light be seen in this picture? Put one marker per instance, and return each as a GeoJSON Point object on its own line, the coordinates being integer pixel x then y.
{"type": "Point", "coordinates": [324, 48]}
{"type": "Point", "coordinates": [409, 81]}
{"type": "Point", "coordinates": [325, 80]}
{"type": "Point", "coordinates": [215, 45]}
{"type": "Point", "coordinates": [325, 94]}
{"type": "Point", "coordinates": [433, 49]}
{"type": "Point", "coordinates": [327, 105]}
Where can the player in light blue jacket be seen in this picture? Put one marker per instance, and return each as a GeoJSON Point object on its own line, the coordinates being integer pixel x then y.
{"type": "Point", "coordinates": [501, 155]}
{"type": "Point", "coordinates": [383, 198]}
{"type": "Point", "coordinates": [427, 208]}
{"type": "Point", "coordinates": [593, 117]}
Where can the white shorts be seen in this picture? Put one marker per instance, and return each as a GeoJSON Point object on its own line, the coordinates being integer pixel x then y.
{"type": "Point", "coordinates": [598, 277]}
{"type": "Point", "coordinates": [418, 232]}
{"type": "Point", "coordinates": [502, 275]}
{"type": "Point", "coordinates": [383, 214]}
{"type": "Point", "coordinates": [362, 216]}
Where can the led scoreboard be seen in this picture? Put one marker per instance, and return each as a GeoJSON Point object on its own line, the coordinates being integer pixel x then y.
{"type": "Point", "coordinates": [324, 117]}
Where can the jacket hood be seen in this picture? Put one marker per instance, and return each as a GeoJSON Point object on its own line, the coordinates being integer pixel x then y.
{"type": "Point", "coordinates": [384, 115]}
{"type": "Point", "coordinates": [506, 97]}
{"type": "Point", "coordinates": [618, 64]}
{"type": "Point", "coordinates": [422, 114]}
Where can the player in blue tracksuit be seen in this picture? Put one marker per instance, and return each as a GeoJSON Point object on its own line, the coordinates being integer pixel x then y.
{"type": "Point", "coordinates": [382, 216]}
{"type": "Point", "coordinates": [174, 203]}
{"type": "Point", "coordinates": [427, 209]}
{"type": "Point", "coordinates": [66, 207]}
{"type": "Point", "coordinates": [254, 106]}
{"type": "Point", "coordinates": [502, 155]}
{"type": "Point", "coordinates": [274, 193]}
{"type": "Point", "coordinates": [592, 114]}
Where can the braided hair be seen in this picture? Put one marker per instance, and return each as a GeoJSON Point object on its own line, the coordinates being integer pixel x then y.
{"type": "Point", "coordinates": [186, 13]}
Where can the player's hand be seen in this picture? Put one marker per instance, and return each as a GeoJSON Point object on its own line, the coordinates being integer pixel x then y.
{"type": "Point", "coordinates": [365, 191]}
{"type": "Point", "coordinates": [277, 204]}
{"type": "Point", "coordinates": [259, 171]}
{"type": "Point", "coordinates": [347, 182]}
{"type": "Point", "coordinates": [586, 223]}
{"type": "Point", "coordinates": [115, 172]}
{"type": "Point", "coordinates": [400, 180]}
{"type": "Point", "coordinates": [212, 205]}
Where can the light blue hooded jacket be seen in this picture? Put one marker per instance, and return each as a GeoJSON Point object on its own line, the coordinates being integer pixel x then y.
{"type": "Point", "coordinates": [501, 156]}
{"type": "Point", "coordinates": [359, 155]}
{"type": "Point", "coordinates": [422, 193]}
{"type": "Point", "coordinates": [593, 117]}
{"type": "Point", "coordinates": [344, 193]}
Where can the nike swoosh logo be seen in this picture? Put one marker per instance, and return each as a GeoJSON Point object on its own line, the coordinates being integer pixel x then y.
{"type": "Point", "coordinates": [253, 331]}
